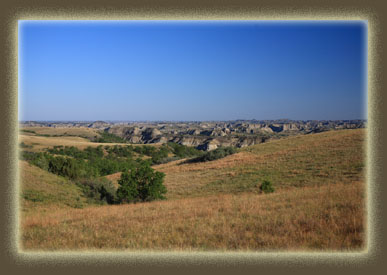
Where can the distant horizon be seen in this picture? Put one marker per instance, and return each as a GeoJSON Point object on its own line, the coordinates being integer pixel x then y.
{"type": "Point", "coordinates": [192, 70]}
{"type": "Point", "coordinates": [253, 119]}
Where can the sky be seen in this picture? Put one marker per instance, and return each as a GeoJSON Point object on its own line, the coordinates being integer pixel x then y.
{"type": "Point", "coordinates": [192, 70]}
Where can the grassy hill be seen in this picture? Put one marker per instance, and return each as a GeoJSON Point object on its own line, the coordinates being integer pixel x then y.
{"type": "Point", "coordinates": [37, 143]}
{"type": "Point", "coordinates": [309, 218]}
{"type": "Point", "coordinates": [63, 131]}
{"type": "Point", "coordinates": [41, 189]}
{"type": "Point", "coordinates": [308, 160]}
{"type": "Point", "coordinates": [319, 203]}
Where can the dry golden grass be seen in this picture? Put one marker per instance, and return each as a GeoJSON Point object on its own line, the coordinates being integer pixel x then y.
{"type": "Point", "coordinates": [318, 203]}
{"type": "Point", "coordinates": [73, 131]}
{"type": "Point", "coordinates": [40, 143]}
{"type": "Point", "coordinates": [316, 159]}
{"type": "Point", "coordinates": [310, 218]}
{"type": "Point", "coordinates": [41, 189]}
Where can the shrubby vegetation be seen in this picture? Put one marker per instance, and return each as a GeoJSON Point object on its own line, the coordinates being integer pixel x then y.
{"type": "Point", "coordinates": [27, 131]}
{"type": "Point", "coordinates": [161, 154]}
{"type": "Point", "coordinates": [120, 151]}
{"type": "Point", "coordinates": [109, 138]}
{"type": "Point", "coordinates": [266, 186]}
{"type": "Point", "coordinates": [88, 153]}
{"type": "Point", "coordinates": [182, 151]}
{"type": "Point", "coordinates": [100, 191]}
{"type": "Point", "coordinates": [218, 153]}
{"type": "Point", "coordinates": [141, 184]}
{"type": "Point", "coordinates": [75, 164]}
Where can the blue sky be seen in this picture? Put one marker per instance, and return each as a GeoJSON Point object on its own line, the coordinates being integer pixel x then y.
{"type": "Point", "coordinates": [187, 70]}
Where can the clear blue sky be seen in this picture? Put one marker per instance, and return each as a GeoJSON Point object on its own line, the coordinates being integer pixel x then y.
{"type": "Point", "coordinates": [186, 70]}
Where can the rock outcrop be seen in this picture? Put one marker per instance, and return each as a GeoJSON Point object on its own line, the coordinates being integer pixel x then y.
{"type": "Point", "coordinates": [207, 135]}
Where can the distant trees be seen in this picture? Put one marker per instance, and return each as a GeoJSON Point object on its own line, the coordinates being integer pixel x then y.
{"type": "Point", "coordinates": [141, 184]}
{"type": "Point", "coordinates": [183, 151]}
{"type": "Point", "coordinates": [106, 137]}
{"type": "Point", "coordinates": [218, 153]}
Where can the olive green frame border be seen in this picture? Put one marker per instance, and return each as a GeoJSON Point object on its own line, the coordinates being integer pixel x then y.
{"type": "Point", "coordinates": [282, 262]}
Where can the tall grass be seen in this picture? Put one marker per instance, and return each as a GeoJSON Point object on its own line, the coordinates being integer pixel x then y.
{"type": "Point", "coordinates": [309, 218]}
{"type": "Point", "coordinates": [318, 203]}
{"type": "Point", "coordinates": [316, 159]}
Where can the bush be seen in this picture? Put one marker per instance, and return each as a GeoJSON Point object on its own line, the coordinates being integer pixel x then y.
{"type": "Point", "coordinates": [266, 187]}
{"type": "Point", "coordinates": [109, 138]}
{"type": "Point", "coordinates": [141, 184]}
{"type": "Point", "coordinates": [218, 153]}
{"type": "Point", "coordinates": [99, 191]}
{"type": "Point", "coordinates": [183, 151]}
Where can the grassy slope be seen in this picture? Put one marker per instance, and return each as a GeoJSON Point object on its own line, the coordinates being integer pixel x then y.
{"type": "Point", "coordinates": [318, 204]}
{"type": "Point", "coordinates": [308, 218]}
{"type": "Point", "coordinates": [43, 190]}
{"type": "Point", "coordinates": [81, 131]}
{"type": "Point", "coordinates": [317, 159]}
{"type": "Point", "coordinates": [40, 143]}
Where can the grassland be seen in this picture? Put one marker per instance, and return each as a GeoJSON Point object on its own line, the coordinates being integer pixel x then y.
{"type": "Point", "coordinates": [43, 190]}
{"type": "Point", "coordinates": [40, 143]}
{"type": "Point", "coordinates": [309, 160]}
{"type": "Point", "coordinates": [51, 131]}
{"type": "Point", "coordinates": [309, 218]}
{"type": "Point", "coordinates": [319, 203]}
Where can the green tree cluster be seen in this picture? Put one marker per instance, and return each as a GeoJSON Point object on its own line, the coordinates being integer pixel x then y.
{"type": "Point", "coordinates": [141, 184]}
{"type": "Point", "coordinates": [106, 137]}
{"type": "Point", "coordinates": [218, 153]}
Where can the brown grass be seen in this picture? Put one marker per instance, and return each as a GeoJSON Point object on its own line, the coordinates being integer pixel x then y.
{"type": "Point", "coordinates": [40, 143]}
{"type": "Point", "coordinates": [73, 131]}
{"type": "Point", "coordinates": [330, 157]}
{"type": "Point", "coordinates": [318, 203]}
{"type": "Point", "coordinates": [41, 189]}
{"type": "Point", "coordinates": [310, 218]}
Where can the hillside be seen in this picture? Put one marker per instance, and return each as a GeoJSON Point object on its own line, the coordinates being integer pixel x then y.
{"type": "Point", "coordinates": [309, 218]}
{"type": "Point", "coordinates": [41, 189]}
{"type": "Point", "coordinates": [319, 203]}
{"type": "Point", "coordinates": [38, 143]}
{"type": "Point", "coordinates": [61, 131]}
{"type": "Point", "coordinates": [308, 160]}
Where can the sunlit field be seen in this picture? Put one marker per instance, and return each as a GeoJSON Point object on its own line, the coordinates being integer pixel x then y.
{"type": "Point", "coordinates": [318, 203]}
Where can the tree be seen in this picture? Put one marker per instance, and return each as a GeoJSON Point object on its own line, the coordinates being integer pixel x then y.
{"type": "Point", "coordinates": [141, 184]}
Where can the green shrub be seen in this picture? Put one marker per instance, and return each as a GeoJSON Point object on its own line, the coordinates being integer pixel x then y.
{"type": "Point", "coordinates": [183, 151]}
{"type": "Point", "coordinates": [109, 138]}
{"type": "Point", "coordinates": [141, 184]}
{"type": "Point", "coordinates": [266, 187]}
{"type": "Point", "coordinates": [128, 191]}
{"type": "Point", "coordinates": [76, 164]}
{"type": "Point", "coordinates": [27, 131]}
{"type": "Point", "coordinates": [218, 153]}
{"type": "Point", "coordinates": [99, 191]}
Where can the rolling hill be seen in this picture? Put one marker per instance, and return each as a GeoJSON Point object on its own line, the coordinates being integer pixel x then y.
{"type": "Point", "coordinates": [318, 203]}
